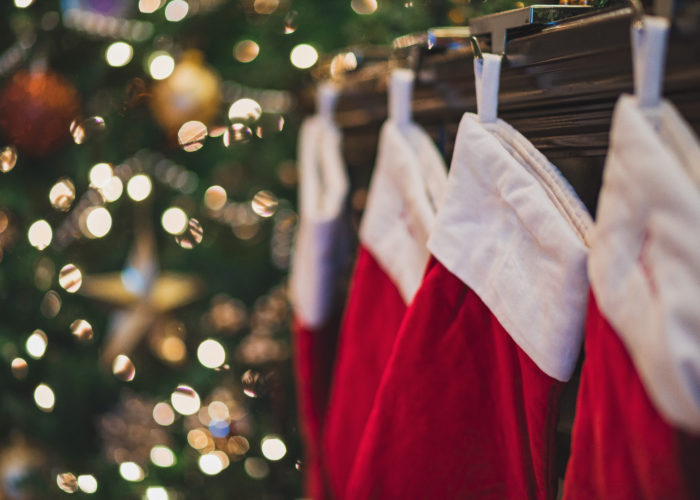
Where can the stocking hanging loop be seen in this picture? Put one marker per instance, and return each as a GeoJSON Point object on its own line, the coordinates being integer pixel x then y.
{"type": "Point", "coordinates": [400, 95]}
{"type": "Point", "coordinates": [487, 73]}
{"type": "Point", "coordinates": [326, 97]}
{"type": "Point", "coordinates": [649, 35]}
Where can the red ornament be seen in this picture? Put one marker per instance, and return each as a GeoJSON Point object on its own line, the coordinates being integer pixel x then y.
{"type": "Point", "coordinates": [36, 109]}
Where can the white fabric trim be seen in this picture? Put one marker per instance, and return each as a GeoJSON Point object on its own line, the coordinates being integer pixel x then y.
{"type": "Point", "coordinates": [645, 257]}
{"type": "Point", "coordinates": [321, 240]}
{"type": "Point", "coordinates": [512, 229]}
{"type": "Point", "coordinates": [407, 186]}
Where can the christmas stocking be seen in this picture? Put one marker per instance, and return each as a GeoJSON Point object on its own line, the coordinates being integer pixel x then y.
{"type": "Point", "coordinates": [320, 251]}
{"type": "Point", "coordinates": [467, 406]}
{"type": "Point", "coordinates": [407, 184]}
{"type": "Point", "coordinates": [637, 429]}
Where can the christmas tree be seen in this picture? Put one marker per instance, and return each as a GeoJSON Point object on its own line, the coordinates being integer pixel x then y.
{"type": "Point", "coordinates": [147, 213]}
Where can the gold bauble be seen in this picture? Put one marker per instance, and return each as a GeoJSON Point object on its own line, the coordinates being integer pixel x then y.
{"type": "Point", "coordinates": [191, 92]}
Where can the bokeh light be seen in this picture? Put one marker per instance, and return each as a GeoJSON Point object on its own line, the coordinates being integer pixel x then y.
{"type": "Point", "coordinates": [291, 22]}
{"type": "Point", "coordinates": [161, 65]}
{"type": "Point", "coordinates": [253, 383]}
{"type": "Point", "coordinates": [149, 6]}
{"type": "Point", "coordinates": [139, 187]}
{"type": "Point", "coordinates": [123, 368]}
{"type": "Point", "coordinates": [86, 129]}
{"type": "Point", "coordinates": [19, 368]}
{"type": "Point", "coordinates": [163, 414]}
{"type": "Point", "coordinates": [51, 304]}
{"type": "Point", "coordinates": [244, 110]}
{"type": "Point", "coordinates": [211, 353]}
{"type": "Point", "coordinates": [70, 278]}
{"type": "Point", "coordinates": [156, 493]}
{"type": "Point", "coordinates": [113, 190]}
{"type": "Point", "coordinates": [172, 349]}
{"type": "Point", "coordinates": [44, 397]}
{"type": "Point", "coordinates": [98, 222]}
{"type": "Point", "coordinates": [185, 400]}
{"type": "Point", "coordinates": [191, 135]}
{"type": "Point", "coordinates": [162, 456]}
{"type": "Point", "coordinates": [67, 482]}
{"type": "Point", "coordinates": [82, 330]}
{"type": "Point", "coordinates": [176, 10]}
{"type": "Point", "coordinates": [273, 448]}
{"type": "Point", "coordinates": [119, 54]}
{"type": "Point", "coordinates": [197, 439]}
{"type": "Point", "coordinates": [87, 483]}
{"type": "Point", "coordinates": [100, 174]}
{"type": "Point", "coordinates": [265, 7]}
{"type": "Point", "coordinates": [215, 198]}
{"type": "Point", "coordinates": [237, 133]}
{"type": "Point", "coordinates": [246, 51]}
{"type": "Point", "coordinates": [62, 194]}
{"type": "Point", "coordinates": [210, 464]}
{"type": "Point", "coordinates": [174, 220]}
{"type": "Point", "coordinates": [36, 344]}
{"type": "Point", "coordinates": [40, 234]}
{"type": "Point", "coordinates": [303, 56]}
{"type": "Point", "coordinates": [238, 445]}
{"type": "Point", "coordinates": [218, 410]}
{"type": "Point", "coordinates": [264, 203]}
{"type": "Point", "coordinates": [364, 7]}
{"type": "Point", "coordinates": [131, 471]}
{"type": "Point", "coordinates": [192, 236]}
{"type": "Point", "coordinates": [256, 467]}
{"type": "Point", "coordinates": [8, 159]}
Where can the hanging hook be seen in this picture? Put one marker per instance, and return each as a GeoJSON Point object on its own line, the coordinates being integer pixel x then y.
{"type": "Point", "coordinates": [476, 50]}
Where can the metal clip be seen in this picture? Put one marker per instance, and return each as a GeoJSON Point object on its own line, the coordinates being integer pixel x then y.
{"type": "Point", "coordinates": [497, 25]}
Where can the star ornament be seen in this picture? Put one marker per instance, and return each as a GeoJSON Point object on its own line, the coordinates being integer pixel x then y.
{"type": "Point", "coordinates": [142, 294]}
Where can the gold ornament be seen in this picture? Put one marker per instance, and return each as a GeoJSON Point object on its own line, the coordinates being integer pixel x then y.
{"type": "Point", "coordinates": [191, 92]}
